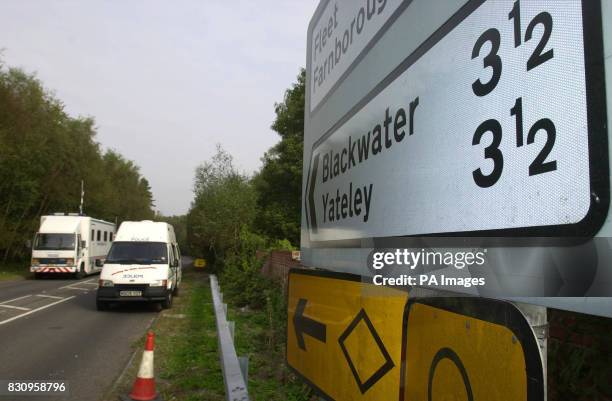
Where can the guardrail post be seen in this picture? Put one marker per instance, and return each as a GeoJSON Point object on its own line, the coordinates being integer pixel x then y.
{"type": "Point", "coordinates": [232, 328]}
{"type": "Point", "coordinates": [234, 374]}
{"type": "Point", "coordinates": [244, 367]}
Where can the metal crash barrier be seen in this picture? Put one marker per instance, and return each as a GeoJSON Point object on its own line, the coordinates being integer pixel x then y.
{"type": "Point", "coordinates": [235, 369]}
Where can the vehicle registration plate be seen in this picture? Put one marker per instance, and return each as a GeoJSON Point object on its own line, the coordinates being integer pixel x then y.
{"type": "Point", "coordinates": [130, 293]}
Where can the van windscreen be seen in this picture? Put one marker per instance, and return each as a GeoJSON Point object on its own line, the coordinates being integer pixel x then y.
{"type": "Point", "coordinates": [137, 253]}
{"type": "Point", "coordinates": [54, 242]}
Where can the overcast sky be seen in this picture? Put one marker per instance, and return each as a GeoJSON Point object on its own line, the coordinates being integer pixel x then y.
{"type": "Point", "coordinates": [165, 80]}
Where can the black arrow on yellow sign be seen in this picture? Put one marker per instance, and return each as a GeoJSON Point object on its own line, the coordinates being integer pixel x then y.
{"type": "Point", "coordinates": [305, 325]}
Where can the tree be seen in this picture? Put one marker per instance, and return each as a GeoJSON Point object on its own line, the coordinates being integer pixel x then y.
{"type": "Point", "coordinates": [179, 223]}
{"type": "Point", "coordinates": [44, 156]}
{"type": "Point", "coordinates": [279, 183]}
{"type": "Point", "coordinates": [130, 195]}
{"type": "Point", "coordinates": [224, 203]}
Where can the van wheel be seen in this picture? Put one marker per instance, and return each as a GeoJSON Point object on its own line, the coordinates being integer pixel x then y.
{"type": "Point", "coordinates": [81, 273]}
{"type": "Point", "coordinates": [167, 303]}
{"type": "Point", "coordinates": [101, 305]}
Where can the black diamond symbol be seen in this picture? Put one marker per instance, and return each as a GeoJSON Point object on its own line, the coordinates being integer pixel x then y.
{"type": "Point", "coordinates": [364, 385]}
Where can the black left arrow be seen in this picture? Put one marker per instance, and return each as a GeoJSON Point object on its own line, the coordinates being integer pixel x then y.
{"type": "Point", "coordinates": [310, 202]}
{"type": "Point", "coordinates": [305, 325]}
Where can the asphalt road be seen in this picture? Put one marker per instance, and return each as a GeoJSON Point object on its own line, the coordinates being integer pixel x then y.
{"type": "Point", "coordinates": [50, 330]}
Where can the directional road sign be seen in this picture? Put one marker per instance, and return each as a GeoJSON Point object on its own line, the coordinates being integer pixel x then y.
{"type": "Point", "coordinates": [494, 124]}
{"type": "Point", "coordinates": [340, 33]}
{"type": "Point", "coordinates": [479, 118]}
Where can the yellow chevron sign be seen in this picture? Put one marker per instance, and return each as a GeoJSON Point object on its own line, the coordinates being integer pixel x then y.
{"type": "Point", "coordinates": [344, 336]}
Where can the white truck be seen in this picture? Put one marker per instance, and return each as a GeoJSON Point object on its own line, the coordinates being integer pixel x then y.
{"type": "Point", "coordinates": [70, 243]}
{"type": "Point", "coordinates": [144, 264]}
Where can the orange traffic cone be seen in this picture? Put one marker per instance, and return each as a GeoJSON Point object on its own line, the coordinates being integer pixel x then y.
{"type": "Point", "coordinates": [144, 386]}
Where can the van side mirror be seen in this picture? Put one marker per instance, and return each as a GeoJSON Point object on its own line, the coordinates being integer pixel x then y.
{"type": "Point", "coordinates": [28, 244]}
{"type": "Point", "coordinates": [175, 263]}
{"type": "Point", "coordinates": [99, 263]}
{"type": "Point", "coordinates": [83, 244]}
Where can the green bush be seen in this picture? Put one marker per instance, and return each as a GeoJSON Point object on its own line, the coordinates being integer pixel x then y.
{"type": "Point", "coordinates": [282, 245]}
{"type": "Point", "coordinates": [579, 362]}
{"type": "Point", "coordinates": [241, 277]}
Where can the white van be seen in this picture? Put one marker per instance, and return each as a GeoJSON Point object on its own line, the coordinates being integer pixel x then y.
{"type": "Point", "coordinates": [144, 264]}
{"type": "Point", "coordinates": [70, 243]}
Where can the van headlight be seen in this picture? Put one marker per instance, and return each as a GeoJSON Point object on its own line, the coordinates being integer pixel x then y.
{"type": "Point", "coordinates": [106, 283]}
{"type": "Point", "coordinates": [35, 262]}
{"type": "Point", "coordinates": [70, 262]}
{"type": "Point", "coordinates": [158, 283]}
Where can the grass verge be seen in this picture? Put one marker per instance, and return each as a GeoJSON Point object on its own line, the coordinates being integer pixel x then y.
{"type": "Point", "coordinates": [14, 271]}
{"type": "Point", "coordinates": [186, 360]}
{"type": "Point", "coordinates": [260, 336]}
{"type": "Point", "coordinates": [187, 366]}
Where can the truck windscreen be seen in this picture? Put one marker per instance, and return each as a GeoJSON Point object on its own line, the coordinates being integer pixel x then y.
{"type": "Point", "coordinates": [55, 242]}
{"type": "Point", "coordinates": [138, 253]}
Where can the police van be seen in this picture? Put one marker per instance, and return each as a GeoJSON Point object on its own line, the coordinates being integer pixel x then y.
{"type": "Point", "coordinates": [144, 264]}
{"type": "Point", "coordinates": [70, 243]}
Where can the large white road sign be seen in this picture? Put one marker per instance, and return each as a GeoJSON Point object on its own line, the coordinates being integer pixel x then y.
{"type": "Point", "coordinates": [495, 124]}
{"type": "Point", "coordinates": [340, 33]}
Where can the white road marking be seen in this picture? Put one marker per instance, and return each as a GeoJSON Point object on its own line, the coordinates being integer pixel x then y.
{"type": "Point", "coordinates": [35, 310]}
{"type": "Point", "coordinates": [14, 307]}
{"type": "Point", "coordinates": [76, 283]}
{"type": "Point", "coordinates": [29, 311]}
{"type": "Point", "coordinates": [48, 296]}
{"type": "Point", "coordinates": [77, 288]}
{"type": "Point", "coordinates": [15, 299]}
